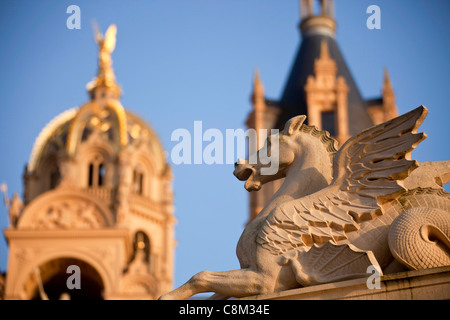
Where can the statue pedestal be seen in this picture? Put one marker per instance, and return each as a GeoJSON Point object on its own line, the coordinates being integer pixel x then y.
{"type": "Point", "coordinates": [428, 284]}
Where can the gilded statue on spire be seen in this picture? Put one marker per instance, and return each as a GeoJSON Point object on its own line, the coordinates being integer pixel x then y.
{"type": "Point", "coordinates": [106, 44]}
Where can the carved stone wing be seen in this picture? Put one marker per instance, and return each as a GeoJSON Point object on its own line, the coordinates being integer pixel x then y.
{"type": "Point", "coordinates": [366, 170]}
{"type": "Point", "coordinates": [371, 163]}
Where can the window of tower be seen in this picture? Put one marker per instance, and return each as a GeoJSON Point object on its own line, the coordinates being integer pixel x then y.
{"type": "Point", "coordinates": [138, 181]}
{"type": "Point", "coordinates": [101, 174]}
{"type": "Point", "coordinates": [91, 175]}
{"type": "Point", "coordinates": [141, 183]}
{"type": "Point", "coordinates": [329, 122]}
{"type": "Point", "coordinates": [96, 174]}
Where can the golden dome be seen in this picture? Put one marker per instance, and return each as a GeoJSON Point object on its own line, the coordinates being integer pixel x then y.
{"type": "Point", "coordinates": [121, 128]}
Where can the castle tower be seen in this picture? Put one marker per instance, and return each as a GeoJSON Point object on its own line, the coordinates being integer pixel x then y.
{"type": "Point", "coordinates": [97, 196]}
{"type": "Point", "coordinates": [320, 86]}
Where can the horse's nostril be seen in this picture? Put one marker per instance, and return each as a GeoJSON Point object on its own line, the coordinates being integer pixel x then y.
{"type": "Point", "coordinates": [243, 174]}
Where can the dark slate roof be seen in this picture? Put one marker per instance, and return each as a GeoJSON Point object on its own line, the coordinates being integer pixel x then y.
{"type": "Point", "coordinates": [374, 102]}
{"type": "Point", "coordinates": [293, 102]}
{"type": "Point", "coordinates": [272, 103]}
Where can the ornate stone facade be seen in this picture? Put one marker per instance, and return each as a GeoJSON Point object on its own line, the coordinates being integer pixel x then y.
{"type": "Point", "coordinates": [97, 194]}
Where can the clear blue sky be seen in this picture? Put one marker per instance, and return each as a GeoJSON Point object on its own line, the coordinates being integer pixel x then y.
{"type": "Point", "coordinates": [181, 61]}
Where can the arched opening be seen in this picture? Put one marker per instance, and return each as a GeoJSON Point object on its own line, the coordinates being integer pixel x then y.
{"type": "Point", "coordinates": [101, 174]}
{"type": "Point", "coordinates": [96, 172]}
{"type": "Point", "coordinates": [141, 242]}
{"type": "Point", "coordinates": [144, 175]}
{"type": "Point", "coordinates": [138, 180]}
{"type": "Point", "coordinates": [91, 175]}
{"type": "Point", "coordinates": [57, 280]}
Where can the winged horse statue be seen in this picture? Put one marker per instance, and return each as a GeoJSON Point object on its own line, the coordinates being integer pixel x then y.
{"type": "Point", "coordinates": [338, 211]}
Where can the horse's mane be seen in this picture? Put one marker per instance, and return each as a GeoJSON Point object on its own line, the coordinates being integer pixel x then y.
{"type": "Point", "coordinates": [368, 170]}
{"type": "Point", "coordinates": [331, 145]}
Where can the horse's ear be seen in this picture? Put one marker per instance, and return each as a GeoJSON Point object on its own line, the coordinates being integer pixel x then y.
{"type": "Point", "coordinates": [293, 125]}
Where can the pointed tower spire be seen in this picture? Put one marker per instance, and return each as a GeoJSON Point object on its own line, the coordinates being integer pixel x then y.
{"type": "Point", "coordinates": [387, 80]}
{"type": "Point", "coordinates": [325, 68]}
{"type": "Point", "coordinates": [389, 108]}
{"type": "Point", "coordinates": [104, 85]}
{"type": "Point", "coordinates": [317, 20]}
{"type": "Point", "coordinates": [258, 88]}
{"type": "Point", "coordinates": [259, 106]}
